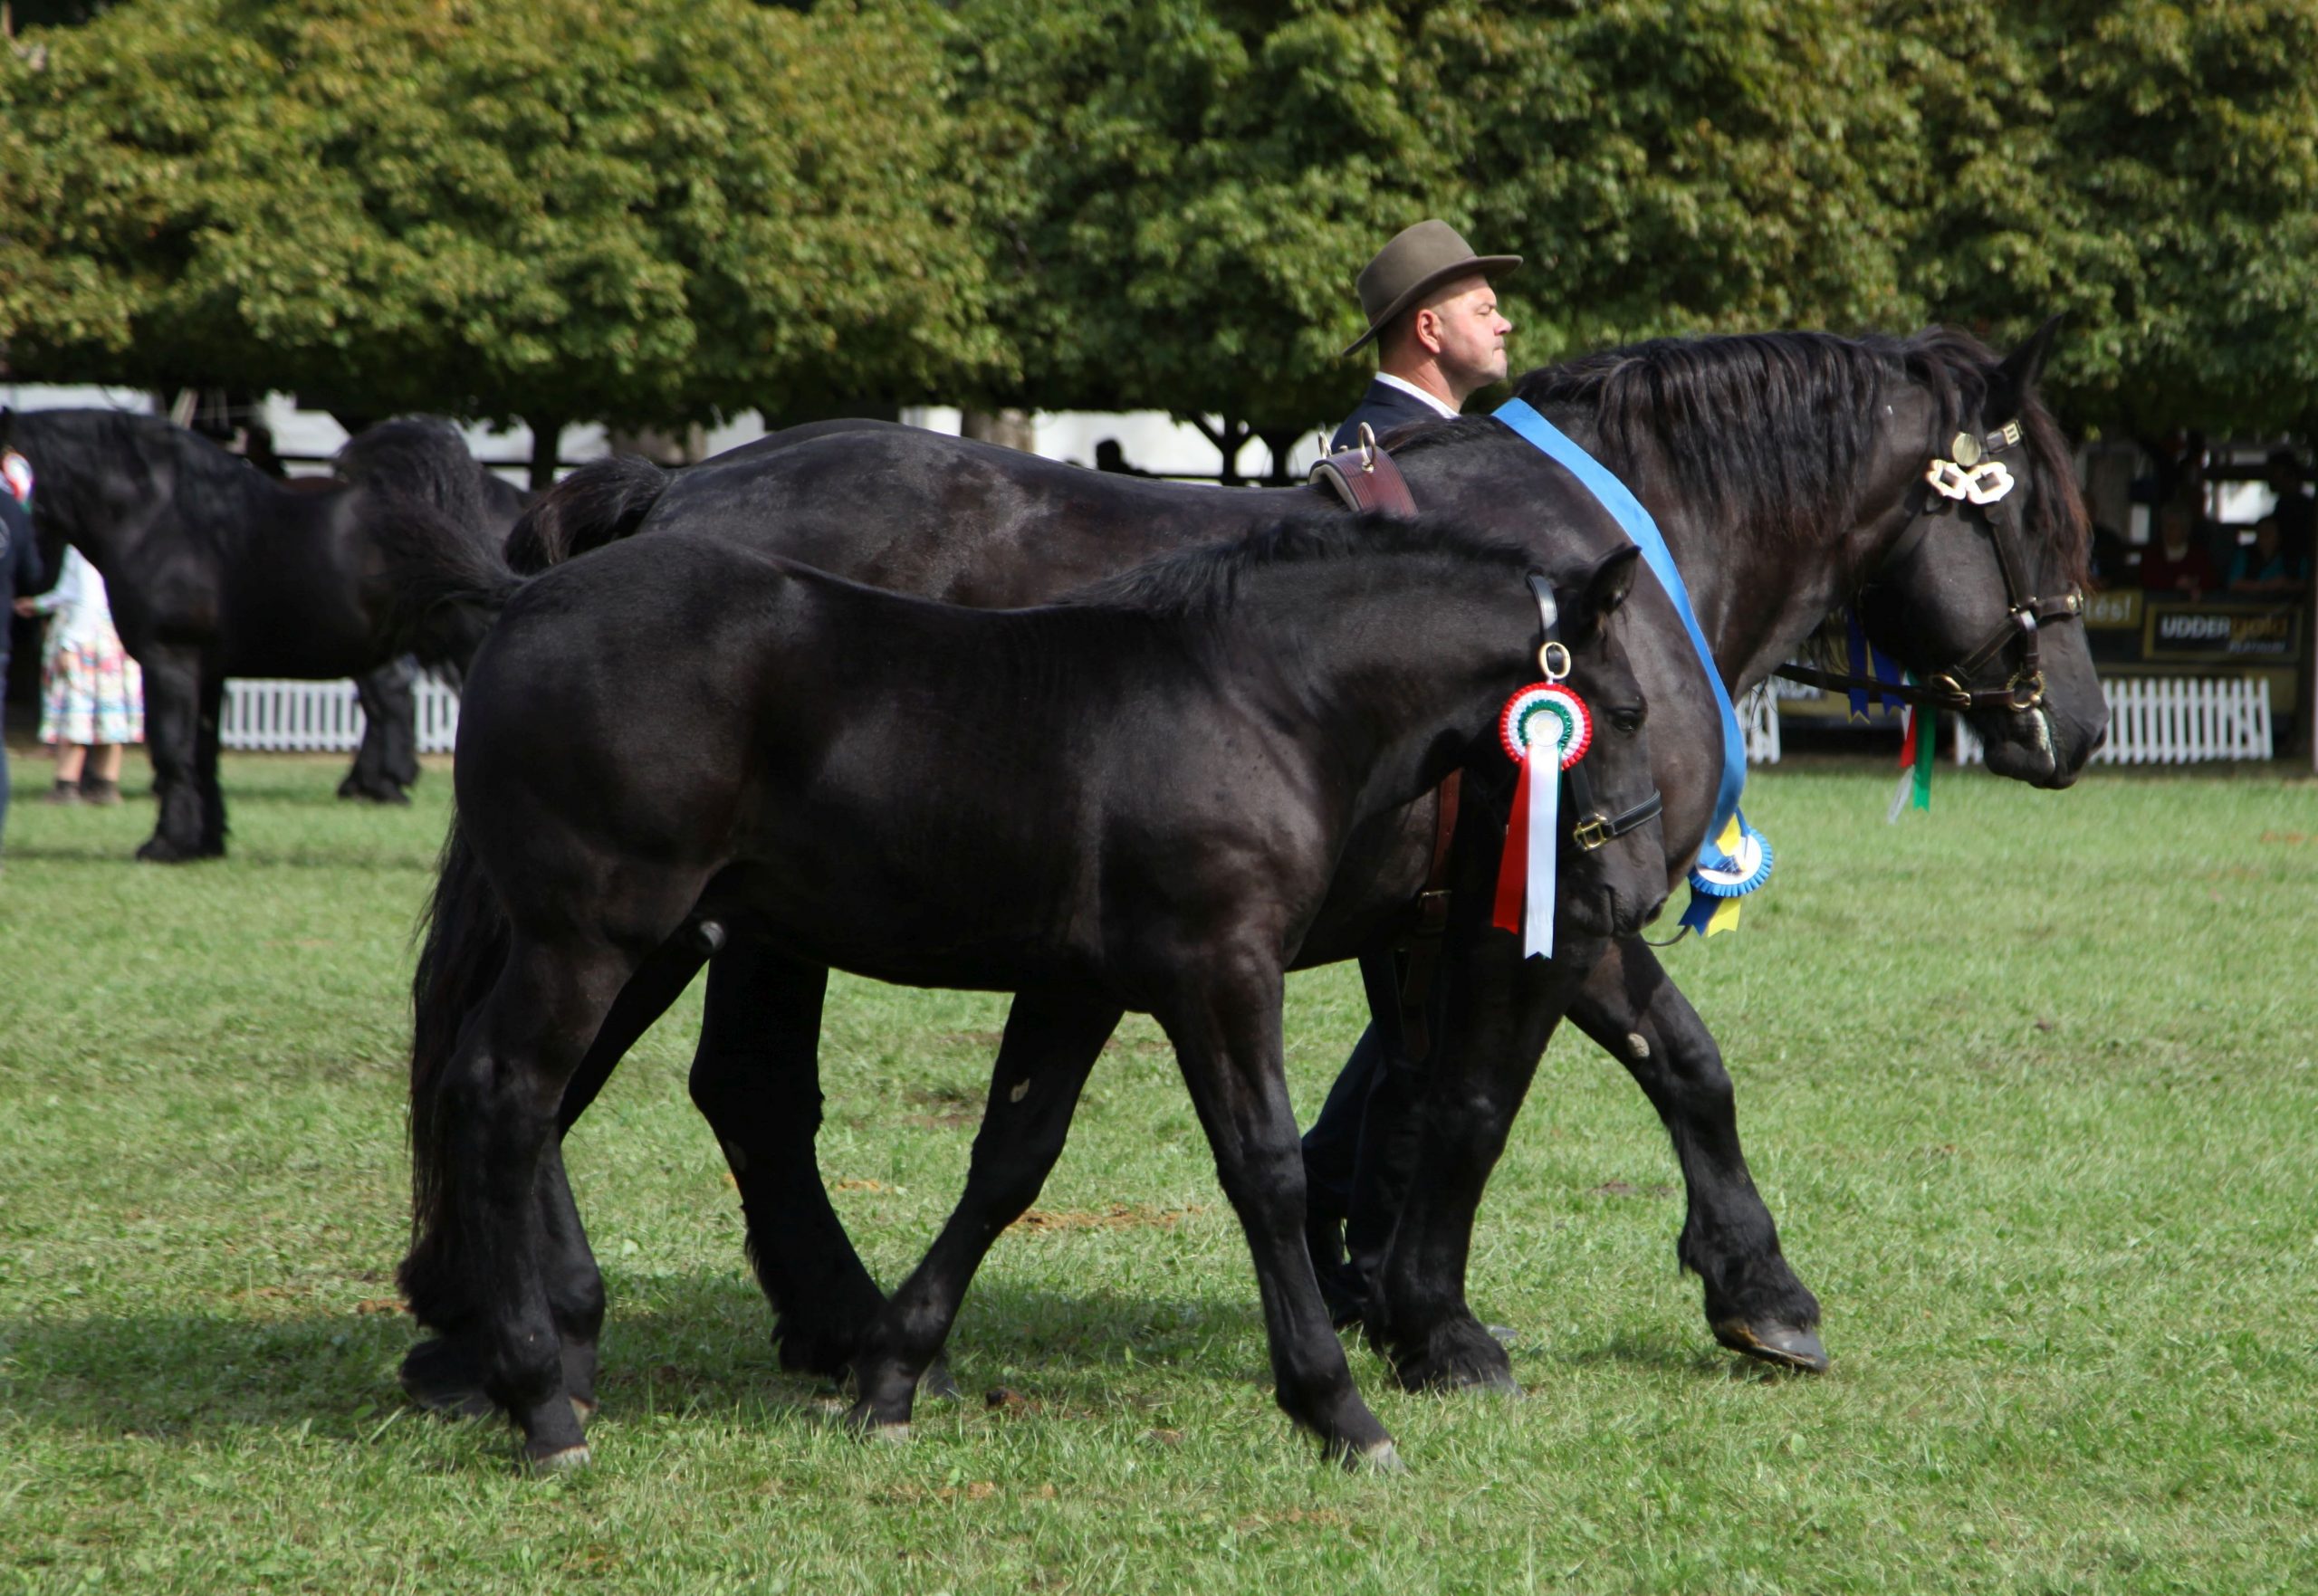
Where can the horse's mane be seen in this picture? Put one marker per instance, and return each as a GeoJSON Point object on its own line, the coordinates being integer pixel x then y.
{"type": "Point", "coordinates": [1770, 428]}
{"type": "Point", "coordinates": [77, 447]}
{"type": "Point", "coordinates": [1203, 580]}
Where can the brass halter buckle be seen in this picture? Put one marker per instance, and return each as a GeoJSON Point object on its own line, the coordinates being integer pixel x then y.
{"type": "Point", "coordinates": [1591, 832]}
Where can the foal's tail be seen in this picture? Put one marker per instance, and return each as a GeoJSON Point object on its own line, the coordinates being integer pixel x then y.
{"type": "Point", "coordinates": [601, 502]}
{"type": "Point", "coordinates": [464, 942]}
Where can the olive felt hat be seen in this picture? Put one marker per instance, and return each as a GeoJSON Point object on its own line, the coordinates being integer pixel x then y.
{"type": "Point", "coordinates": [1419, 260]}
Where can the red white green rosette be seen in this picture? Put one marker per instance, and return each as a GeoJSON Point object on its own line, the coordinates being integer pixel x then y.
{"type": "Point", "coordinates": [1547, 710]}
{"type": "Point", "coordinates": [1545, 728]}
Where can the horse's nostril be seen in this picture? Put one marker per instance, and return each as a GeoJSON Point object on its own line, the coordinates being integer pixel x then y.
{"type": "Point", "coordinates": [1656, 909]}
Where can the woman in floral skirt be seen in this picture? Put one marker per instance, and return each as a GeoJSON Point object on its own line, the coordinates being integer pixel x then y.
{"type": "Point", "coordinates": [92, 697]}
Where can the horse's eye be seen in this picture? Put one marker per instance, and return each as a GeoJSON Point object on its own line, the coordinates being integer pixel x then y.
{"type": "Point", "coordinates": [1629, 720]}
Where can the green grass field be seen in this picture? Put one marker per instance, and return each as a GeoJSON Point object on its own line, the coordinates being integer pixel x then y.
{"type": "Point", "coordinates": [2031, 1083]}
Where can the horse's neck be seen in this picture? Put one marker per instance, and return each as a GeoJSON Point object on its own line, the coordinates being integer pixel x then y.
{"type": "Point", "coordinates": [1379, 656]}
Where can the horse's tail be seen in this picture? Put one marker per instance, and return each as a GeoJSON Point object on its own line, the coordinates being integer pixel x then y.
{"type": "Point", "coordinates": [421, 458]}
{"type": "Point", "coordinates": [601, 502]}
{"type": "Point", "coordinates": [463, 940]}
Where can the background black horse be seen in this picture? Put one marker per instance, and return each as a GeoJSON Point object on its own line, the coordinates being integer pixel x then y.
{"type": "Point", "coordinates": [1786, 471]}
{"type": "Point", "coordinates": [1137, 800]}
{"type": "Point", "coordinates": [215, 569]}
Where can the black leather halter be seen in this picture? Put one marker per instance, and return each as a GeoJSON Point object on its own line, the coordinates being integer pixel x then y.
{"type": "Point", "coordinates": [1589, 827]}
{"type": "Point", "coordinates": [1982, 483]}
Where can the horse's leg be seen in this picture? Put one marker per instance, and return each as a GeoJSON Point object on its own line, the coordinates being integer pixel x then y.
{"type": "Point", "coordinates": [173, 698]}
{"type": "Point", "coordinates": [1753, 1300]}
{"type": "Point", "coordinates": [207, 747]}
{"type": "Point", "coordinates": [445, 1373]}
{"type": "Point", "coordinates": [488, 1127]}
{"type": "Point", "coordinates": [1227, 1036]}
{"type": "Point", "coordinates": [1052, 1040]}
{"type": "Point", "coordinates": [1506, 1008]}
{"type": "Point", "coordinates": [756, 1079]}
{"type": "Point", "coordinates": [388, 760]}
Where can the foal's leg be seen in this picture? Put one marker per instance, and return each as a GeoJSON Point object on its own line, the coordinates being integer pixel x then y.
{"type": "Point", "coordinates": [493, 1119]}
{"type": "Point", "coordinates": [1052, 1040]}
{"type": "Point", "coordinates": [1227, 1036]}
{"type": "Point", "coordinates": [445, 1373]}
{"type": "Point", "coordinates": [756, 1079]}
{"type": "Point", "coordinates": [1753, 1299]}
{"type": "Point", "coordinates": [1506, 1008]}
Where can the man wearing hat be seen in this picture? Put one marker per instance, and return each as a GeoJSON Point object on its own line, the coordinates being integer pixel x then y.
{"type": "Point", "coordinates": [1438, 339]}
{"type": "Point", "coordinates": [1439, 336]}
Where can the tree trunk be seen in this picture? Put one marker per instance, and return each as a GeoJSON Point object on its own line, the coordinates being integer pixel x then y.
{"type": "Point", "coordinates": [547, 437]}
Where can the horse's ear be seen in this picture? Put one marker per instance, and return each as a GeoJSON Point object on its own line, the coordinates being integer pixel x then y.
{"type": "Point", "coordinates": [1605, 587]}
{"type": "Point", "coordinates": [2008, 391]}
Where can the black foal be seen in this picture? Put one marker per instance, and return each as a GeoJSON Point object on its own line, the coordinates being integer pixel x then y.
{"type": "Point", "coordinates": [1138, 802]}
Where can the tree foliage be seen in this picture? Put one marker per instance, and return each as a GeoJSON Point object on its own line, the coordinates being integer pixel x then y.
{"type": "Point", "coordinates": [2148, 169]}
{"type": "Point", "coordinates": [652, 212]}
{"type": "Point", "coordinates": [642, 213]}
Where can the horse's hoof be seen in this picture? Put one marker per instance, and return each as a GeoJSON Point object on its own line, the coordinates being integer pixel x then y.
{"type": "Point", "coordinates": [937, 1383]}
{"type": "Point", "coordinates": [1785, 1346]}
{"type": "Point", "coordinates": [559, 1460]}
{"type": "Point", "coordinates": [161, 850]}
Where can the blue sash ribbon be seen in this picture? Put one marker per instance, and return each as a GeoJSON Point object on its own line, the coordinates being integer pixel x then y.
{"type": "Point", "coordinates": [1729, 834]}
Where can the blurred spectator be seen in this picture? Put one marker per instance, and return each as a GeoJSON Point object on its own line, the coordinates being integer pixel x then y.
{"type": "Point", "coordinates": [2265, 568]}
{"type": "Point", "coordinates": [2111, 558]}
{"type": "Point", "coordinates": [93, 698]}
{"type": "Point", "coordinates": [19, 571]}
{"type": "Point", "coordinates": [1110, 457]}
{"type": "Point", "coordinates": [2297, 511]}
{"type": "Point", "coordinates": [257, 447]}
{"type": "Point", "coordinates": [2175, 561]}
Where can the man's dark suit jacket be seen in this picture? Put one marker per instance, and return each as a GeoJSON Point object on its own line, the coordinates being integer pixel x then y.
{"type": "Point", "coordinates": [1382, 408]}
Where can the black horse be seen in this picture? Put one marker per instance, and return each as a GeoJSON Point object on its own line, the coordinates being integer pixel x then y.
{"type": "Point", "coordinates": [215, 569]}
{"type": "Point", "coordinates": [1787, 472]}
{"type": "Point", "coordinates": [1137, 800]}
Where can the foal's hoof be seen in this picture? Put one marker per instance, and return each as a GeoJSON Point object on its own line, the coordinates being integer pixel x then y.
{"type": "Point", "coordinates": [440, 1377]}
{"type": "Point", "coordinates": [1785, 1346]}
{"type": "Point", "coordinates": [1376, 1458]}
{"type": "Point", "coordinates": [558, 1459]}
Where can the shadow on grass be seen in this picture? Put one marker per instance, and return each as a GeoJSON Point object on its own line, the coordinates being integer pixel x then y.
{"type": "Point", "coordinates": [672, 1346]}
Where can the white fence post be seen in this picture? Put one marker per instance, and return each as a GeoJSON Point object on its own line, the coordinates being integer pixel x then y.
{"type": "Point", "coordinates": [264, 716]}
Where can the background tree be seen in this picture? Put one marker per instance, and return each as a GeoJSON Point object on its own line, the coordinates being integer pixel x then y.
{"type": "Point", "coordinates": [496, 211]}
{"type": "Point", "coordinates": [2150, 169]}
{"type": "Point", "coordinates": [1181, 194]}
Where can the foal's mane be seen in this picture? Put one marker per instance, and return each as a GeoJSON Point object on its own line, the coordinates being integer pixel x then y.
{"type": "Point", "coordinates": [1204, 580]}
{"type": "Point", "coordinates": [1768, 431]}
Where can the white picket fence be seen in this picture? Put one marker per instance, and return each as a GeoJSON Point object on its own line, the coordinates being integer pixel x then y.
{"type": "Point", "coordinates": [2172, 720]}
{"type": "Point", "coordinates": [323, 717]}
{"type": "Point", "coordinates": [2165, 721]}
